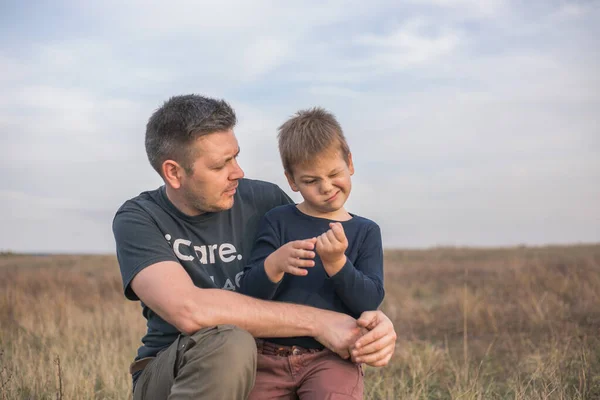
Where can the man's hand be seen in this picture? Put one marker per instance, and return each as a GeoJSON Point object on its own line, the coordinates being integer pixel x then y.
{"type": "Point", "coordinates": [292, 258]}
{"type": "Point", "coordinates": [331, 246]}
{"type": "Point", "coordinates": [376, 347]}
{"type": "Point", "coordinates": [338, 332]}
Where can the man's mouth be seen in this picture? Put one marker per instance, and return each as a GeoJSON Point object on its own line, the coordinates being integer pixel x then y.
{"type": "Point", "coordinates": [231, 190]}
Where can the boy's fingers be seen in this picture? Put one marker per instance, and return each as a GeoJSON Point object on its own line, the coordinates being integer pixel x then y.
{"type": "Point", "coordinates": [331, 236]}
{"type": "Point", "coordinates": [338, 231]}
{"type": "Point", "coordinates": [325, 240]}
{"type": "Point", "coordinates": [307, 244]}
{"type": "Point", "coordinates": [300, 262]}
{"type": "Point", "coordinates": [296, 271]}
{"type": "Point", "coordinates": [299, 253]}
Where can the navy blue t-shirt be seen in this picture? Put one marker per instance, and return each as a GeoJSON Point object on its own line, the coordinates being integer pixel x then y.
{"type": "Point", "coordinates": [356, 288]}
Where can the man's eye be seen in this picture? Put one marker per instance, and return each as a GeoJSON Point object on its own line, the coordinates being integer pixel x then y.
{"type": "Point", "coordinates": [308, 182]}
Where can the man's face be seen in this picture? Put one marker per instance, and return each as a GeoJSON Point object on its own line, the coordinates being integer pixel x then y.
{"type": "Point", "coordinates": [215, 172]}
{"type": "Point", "coordinates": [324, 183]}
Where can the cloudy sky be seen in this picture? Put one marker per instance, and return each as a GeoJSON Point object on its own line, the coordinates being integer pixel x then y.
{"type": "Point", "coordinates": [471, 122]}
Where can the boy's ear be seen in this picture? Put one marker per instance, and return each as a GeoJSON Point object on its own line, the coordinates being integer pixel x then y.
{"type": "Point", "coordinates": [290, 180]}
{"type": "Point", "coordinates": [350, 164]}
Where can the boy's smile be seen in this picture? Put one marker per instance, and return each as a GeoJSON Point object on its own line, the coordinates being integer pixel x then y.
{"type": "Point", "coordinates": [325, 185]}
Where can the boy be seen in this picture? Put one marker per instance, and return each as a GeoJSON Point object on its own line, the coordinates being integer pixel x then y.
{"type": "Point", "coordinates": [314, 253]}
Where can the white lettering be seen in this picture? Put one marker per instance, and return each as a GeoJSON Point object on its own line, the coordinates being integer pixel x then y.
{"type": "Point", "coordinates": [228, 285]}
{"type": "Point", "coordinates": [202, 256]}
{"type": "Point", "coordinates": [206, 254]}
{"type": "Point", "coordinates": [238, 276]}
{"type": "Point", "coordinates": [178, 253]}
{"type": "Point", "coordinates": [224, 252]}
{"type": "Point", "coordinates": [211, 250]}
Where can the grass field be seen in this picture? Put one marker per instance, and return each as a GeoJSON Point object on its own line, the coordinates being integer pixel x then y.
{"type": "Point", "coordinates": [516, 323]}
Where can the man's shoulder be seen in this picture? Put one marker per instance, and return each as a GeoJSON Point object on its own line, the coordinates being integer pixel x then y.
{"type": "Point", "coordinates": [261, 192]}
{"type": "Point", "coordinates": [139, 202]}
{"type": "Point", "coordinates": [246, 184]}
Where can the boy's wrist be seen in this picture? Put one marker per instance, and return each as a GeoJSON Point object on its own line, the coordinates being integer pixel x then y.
{"type": "Point", "coordinates": [334, 266]}
{"type": "Point", "coordinates": [274, 274]}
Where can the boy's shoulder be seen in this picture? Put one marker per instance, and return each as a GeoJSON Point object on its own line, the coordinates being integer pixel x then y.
{"type": "Point", "coordinates": [282, 211]}
{"type": "Point", "coordinates": [369, 223]}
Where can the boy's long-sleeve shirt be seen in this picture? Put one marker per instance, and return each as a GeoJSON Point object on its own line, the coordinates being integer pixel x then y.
{"type": "Point", "coordinates": [356, 288]}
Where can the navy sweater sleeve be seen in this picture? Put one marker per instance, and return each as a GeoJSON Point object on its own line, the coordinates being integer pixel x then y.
{"type": "Point", "coordinates": [360, 285]}
{"type": "Point", "coordinates": [255, 282]}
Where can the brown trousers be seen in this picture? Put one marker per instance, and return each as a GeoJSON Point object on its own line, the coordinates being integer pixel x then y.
{"type": "Point", "coordinates": [214, 363]}
{"type": "Point", "coordinates": [310, 376]}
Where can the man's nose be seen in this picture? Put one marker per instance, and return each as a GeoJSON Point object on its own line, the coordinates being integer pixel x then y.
{"type": "Point", "coordinates": [237, 173]}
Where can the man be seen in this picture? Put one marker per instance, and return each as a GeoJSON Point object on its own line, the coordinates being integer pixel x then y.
{"type": "Point", "coordinates": [180, 245]}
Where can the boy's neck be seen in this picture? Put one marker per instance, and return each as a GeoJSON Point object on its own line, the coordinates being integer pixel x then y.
{"type": "Point", "coordinates": [338, 215]}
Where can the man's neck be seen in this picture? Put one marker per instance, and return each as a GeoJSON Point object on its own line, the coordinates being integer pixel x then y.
{"type": "Point", "coordinates": [180, 203]}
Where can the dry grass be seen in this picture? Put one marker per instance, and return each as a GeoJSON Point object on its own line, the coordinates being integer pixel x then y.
{"type": "Point", "coordinates": [520, 323]}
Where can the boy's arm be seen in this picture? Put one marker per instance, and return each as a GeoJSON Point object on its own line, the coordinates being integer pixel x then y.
{"type": "Point", "coordinates": [269, 262]}
{"type": "Point", "coordinates": [360, 285]}
{"type": "Point", "coordinates": [255, 281]}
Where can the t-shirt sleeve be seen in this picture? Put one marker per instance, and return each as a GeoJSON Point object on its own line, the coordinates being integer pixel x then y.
{"type": "Point", "coordinates": [283, 198]}
{"type": "Point", "coordinates": [139, 244]}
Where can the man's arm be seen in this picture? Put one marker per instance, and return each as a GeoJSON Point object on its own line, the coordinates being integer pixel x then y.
{"type": "Point", "coordinates": [167, 289]}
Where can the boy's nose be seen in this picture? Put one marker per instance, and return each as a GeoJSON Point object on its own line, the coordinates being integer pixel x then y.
{"type": "Point", "coordinates": [326, 187]}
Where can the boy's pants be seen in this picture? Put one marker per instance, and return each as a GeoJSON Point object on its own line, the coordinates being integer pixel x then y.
{"type": "Point", "coordinates": [214, 363]}
{"type": "Point", "coordinates": [295, 373]}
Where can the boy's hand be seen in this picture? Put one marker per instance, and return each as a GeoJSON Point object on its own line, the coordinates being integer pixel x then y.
{"type": "Point", "coordinates": [292, 258]}
{"type": "Point", "coordinates": [331, 246]}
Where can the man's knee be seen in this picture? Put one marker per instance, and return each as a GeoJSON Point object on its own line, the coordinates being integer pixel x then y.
{"type": "Point", "coordinates": [239, 346]}
{"type": "Point", "coordinates": [233, 348]}
{"type": "Point", "coordinates": [215, 363]}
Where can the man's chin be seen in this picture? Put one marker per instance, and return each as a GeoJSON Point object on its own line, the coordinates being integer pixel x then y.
{"type": "Point", "coordinates": [226, 204]}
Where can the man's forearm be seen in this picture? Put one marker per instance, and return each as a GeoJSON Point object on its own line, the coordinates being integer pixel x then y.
{"type": "Point", "coordinates": [209, 307]}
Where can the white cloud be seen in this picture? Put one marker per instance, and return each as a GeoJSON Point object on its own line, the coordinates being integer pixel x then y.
{"type": "Point", "coordinates": [470, 122]}
{"type": "Point", "coordinates": [406, 47]}
{"type": "Point", "coordinates": [262, 56]}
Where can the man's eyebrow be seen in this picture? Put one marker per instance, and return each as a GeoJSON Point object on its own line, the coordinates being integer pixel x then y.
{"type": "Point", "coordinates": [226, 160]}
{"type": "Point", "coordinates": [237, 153]}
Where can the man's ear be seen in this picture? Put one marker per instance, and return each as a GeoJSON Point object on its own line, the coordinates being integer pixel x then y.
{"type": "Point", "coordinates": [350, 164]}
{"type": "Point", "coordinates": [172, 173]}
{"type": "Point", "coordinates": [290, 180]}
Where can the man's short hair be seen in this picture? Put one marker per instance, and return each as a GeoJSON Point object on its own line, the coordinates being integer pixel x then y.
{"type": "Point", "coordinates": [307, 134]}
{"type": "Point", "coordinates": [179, 122]}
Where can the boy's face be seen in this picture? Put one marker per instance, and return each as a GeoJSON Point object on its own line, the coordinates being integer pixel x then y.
{"type": "Point", "coordinates": [325, 182]}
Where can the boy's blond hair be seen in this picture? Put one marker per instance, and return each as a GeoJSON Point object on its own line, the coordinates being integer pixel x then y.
{"type": "Point", "coordinates": [307, 134]}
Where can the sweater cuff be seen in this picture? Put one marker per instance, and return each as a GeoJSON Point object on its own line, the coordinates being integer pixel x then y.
{"type": "Point", "coordinates": [267, 287]}
{"type": "Point", "coordinates": [343, 274]}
